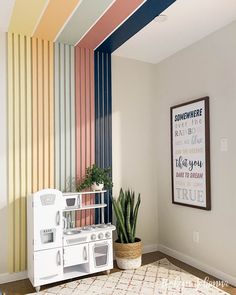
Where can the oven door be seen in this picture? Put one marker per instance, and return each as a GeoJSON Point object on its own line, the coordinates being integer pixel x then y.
{"type": "Point", "coordinates": [101, 256]}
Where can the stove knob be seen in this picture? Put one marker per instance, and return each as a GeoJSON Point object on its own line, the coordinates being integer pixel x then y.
{"type": "Point", "coordinates": [108, 235]}
{"type": "Point", "coordinates": [100, 236]}
{"type": "Point", "coordinates": [93, 237]}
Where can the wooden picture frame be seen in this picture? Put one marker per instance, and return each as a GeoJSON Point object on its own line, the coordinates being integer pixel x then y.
{"type": "Point", "coordinates": [190, 154]}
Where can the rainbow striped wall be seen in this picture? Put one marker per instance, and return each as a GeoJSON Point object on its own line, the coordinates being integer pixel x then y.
{"type": "Point", "coordinates": [59, 97]}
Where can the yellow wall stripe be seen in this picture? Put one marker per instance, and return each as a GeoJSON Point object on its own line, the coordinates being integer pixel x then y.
{"type": "Point", "coordinates": [30, 132]}
{"type": "Point", "coordinates": [19, 140]}
{"type": "Point", "coordinates": [11, 152]}
{"type": "Point", "coordinates": [54, 18]}
{"type": "Point", "coordinates": [25, 16]}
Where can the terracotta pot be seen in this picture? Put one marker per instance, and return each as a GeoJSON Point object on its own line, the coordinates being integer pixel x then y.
{"type": "Point", "coordinates": [128, 256]}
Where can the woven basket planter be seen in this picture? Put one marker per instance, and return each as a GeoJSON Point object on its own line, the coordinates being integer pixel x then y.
{"type": "Point", "coordinates": [128, 256]}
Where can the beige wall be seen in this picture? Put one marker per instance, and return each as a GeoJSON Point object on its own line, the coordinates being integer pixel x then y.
{"type": "Point", "coordinates": [132, 145]}
{"type": "Point", "coordinates": [3, 157]}
{"type": "Point", "coordinates": [142, 96]}
{"type": "Point", "coordinates": [206, 68]}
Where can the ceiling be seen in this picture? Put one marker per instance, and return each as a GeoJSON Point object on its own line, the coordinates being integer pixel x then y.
{"type": "Point", "coordinates": [188, 21]}
{"type": "Point", "coordinates": [5, 14]}
{"type": "Point", "coordinates": [86, 23]}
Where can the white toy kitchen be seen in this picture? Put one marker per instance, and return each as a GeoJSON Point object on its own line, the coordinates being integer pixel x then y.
{"type": "Point", "coordinates": [57, 250]}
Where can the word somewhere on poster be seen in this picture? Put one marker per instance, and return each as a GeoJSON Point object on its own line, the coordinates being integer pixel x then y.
{"type": "Point", "coordinates": [190, 146]}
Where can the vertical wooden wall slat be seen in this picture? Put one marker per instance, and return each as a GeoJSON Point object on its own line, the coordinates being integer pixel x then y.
{"type": "Point", "coordinates": [34, 116]}
{"type": "Point", "coordinates": [23, 175]}
{"type": "Point", "coordinates": [11, 203]}
{"type": "Point", "coordinates": [45, 122]}
{"type": "Point", "coordinates": [31, 149]}
{"type": "Point", "coordinates": [67, 112]}
{"type": "Point", "coordinates": [28, 132]}
{"type": "Point", "coordinates": [72, 116]}
{"type": "Point", "coordinates": [84, 77]}
{"type": "Point", "coordinates": [51, 115]}
{"type": "Point", "coordinates": [17, 172]}
{"type": "Point", "coordinates": [19, 141]}
{"type": "Point", "coordinates": [42, 113]}
{"type": "Point", "coordinates": [64, 117]}
{"type": "Point", "coordinates": [103, 115]}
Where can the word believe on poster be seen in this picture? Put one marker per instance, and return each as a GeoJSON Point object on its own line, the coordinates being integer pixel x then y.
{"type": "Point", "coordinates": [190, 149]}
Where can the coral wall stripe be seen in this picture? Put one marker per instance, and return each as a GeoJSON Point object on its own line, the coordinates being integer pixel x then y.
{"type": "Point", "coordinates": [22, 23]}
{"type": "Point", "coordinates": [92, 108]}
{"type": "Point", "coordinates": [84, 120]}
{"type": "Point", "coordinates": [113, 17]}
{"type": "Point", "coordinates": [58, 11]}
{"type": "Point", "coordinates": [19, 141]}
{"type": "Point", "coordinates": [64, 117]}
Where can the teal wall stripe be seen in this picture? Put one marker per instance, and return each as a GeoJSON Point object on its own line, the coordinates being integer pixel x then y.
{"type": "Point", "coordinates": [64, 116]}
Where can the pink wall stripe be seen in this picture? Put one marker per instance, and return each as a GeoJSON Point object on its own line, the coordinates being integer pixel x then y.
{"type": "Point", "coordinates": [117, 13]}
{"type": "Point", "coordinates": [85, 126]}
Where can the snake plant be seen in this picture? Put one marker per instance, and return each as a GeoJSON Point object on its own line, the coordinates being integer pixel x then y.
{"type": "Point", "coordinates": [126, 212]}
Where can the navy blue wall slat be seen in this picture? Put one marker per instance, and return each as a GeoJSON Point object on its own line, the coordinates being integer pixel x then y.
{"type": "Point", "coordinates": [103, 91]}
{"type": "Point", "coordinates": [144, 15]}
{"type": "Point", "coordinates": [103, 109]}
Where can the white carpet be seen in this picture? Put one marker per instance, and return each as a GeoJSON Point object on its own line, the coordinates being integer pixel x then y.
{"type": "Point", "coordinates": [160, 277]}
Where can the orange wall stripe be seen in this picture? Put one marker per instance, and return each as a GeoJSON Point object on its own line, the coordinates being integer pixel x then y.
{"type": "Point", "coordinates": [25, 16]}
{"type": "Point", "coordinates": [51, 115]}
{"type": "Point", "coordinates": [54, 18]}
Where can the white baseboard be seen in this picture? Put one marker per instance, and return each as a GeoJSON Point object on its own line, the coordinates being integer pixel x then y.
{"type": "Point", "coordinates": [11, 277]}
{"type": "Point", "coordinates": [150, 248]}
{"type": "Point", "coordinates": [198, 264]}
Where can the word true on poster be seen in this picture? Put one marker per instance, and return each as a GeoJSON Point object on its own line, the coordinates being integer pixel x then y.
{"type": "Point", "coordinates": [190, 152]}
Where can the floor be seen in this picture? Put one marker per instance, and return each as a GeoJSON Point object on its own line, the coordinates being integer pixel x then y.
{"type": "Point", "coordinates": [24, 286]}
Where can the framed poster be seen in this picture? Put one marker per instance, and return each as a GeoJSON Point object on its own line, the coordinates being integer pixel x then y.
{"type": "Point", "coordinates": [190, 154]}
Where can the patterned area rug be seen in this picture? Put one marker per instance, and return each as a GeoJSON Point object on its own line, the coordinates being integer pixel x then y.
{"type": "Point", "coordinates": [160, 277]}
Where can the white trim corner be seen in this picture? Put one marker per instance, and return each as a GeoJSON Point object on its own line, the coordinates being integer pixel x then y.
{"type": "Point", "coordinates": [198, 264]}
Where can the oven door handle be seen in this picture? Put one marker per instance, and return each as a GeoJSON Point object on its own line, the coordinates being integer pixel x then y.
{"type": "Point", "coordinates": [85, 253]}
{"type": "Point", "coordinates": [58, 218]}
{"type": "Point", "coordinates": [58, 257]}
{"type": "Point", "coordinates": [101, 244]}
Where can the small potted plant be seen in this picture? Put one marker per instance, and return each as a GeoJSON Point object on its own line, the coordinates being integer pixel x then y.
{"type": "Point", "coordinates": [128, 248]}
{"type": "Point", "coordinates": [96, 178]}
